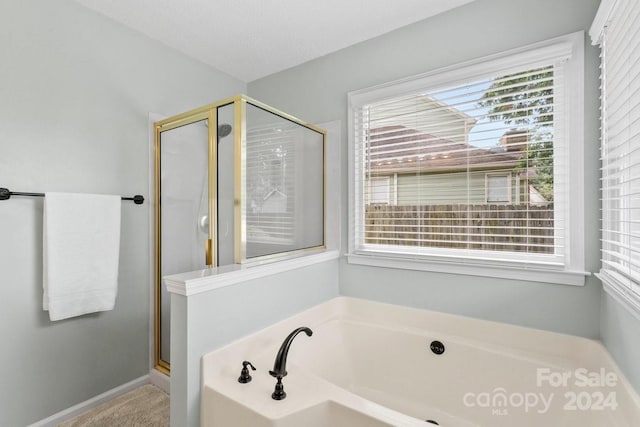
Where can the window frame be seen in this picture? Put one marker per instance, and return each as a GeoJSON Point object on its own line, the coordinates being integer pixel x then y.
{"type": "Point", "coordinates": [570, 271]}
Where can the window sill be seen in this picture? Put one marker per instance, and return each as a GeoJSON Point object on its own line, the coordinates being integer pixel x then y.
{"type": "Point", "coordinates": [199, 281]}
{"type": "Point", "coordinates": [522, 273]}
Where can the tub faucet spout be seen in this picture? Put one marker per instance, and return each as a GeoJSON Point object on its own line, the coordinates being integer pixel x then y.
{"type": "Point", "coordinates": [280, 365]}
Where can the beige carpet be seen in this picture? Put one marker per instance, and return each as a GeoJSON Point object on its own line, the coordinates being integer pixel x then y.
{"type": "Point", "coordinates": [146, 406]}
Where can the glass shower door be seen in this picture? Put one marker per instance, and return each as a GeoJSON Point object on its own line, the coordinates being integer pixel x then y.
{"type": "Point", "coordinates": [184, 214]}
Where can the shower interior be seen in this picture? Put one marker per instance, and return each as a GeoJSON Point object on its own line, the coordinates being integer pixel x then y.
{"type": "Point", "coordinates": [236, 182]}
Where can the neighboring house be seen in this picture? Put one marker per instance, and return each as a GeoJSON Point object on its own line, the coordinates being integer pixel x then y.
{"type": "Point", "coordinates": [410, 167]}
{"type": "Point", "coordinates": [435, 118]}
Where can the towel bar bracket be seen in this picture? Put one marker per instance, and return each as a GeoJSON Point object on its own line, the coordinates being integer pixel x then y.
{"type": "Point", "coordinates": [5, 194]}
{"type": "Point", "coordinates": [137, 199]}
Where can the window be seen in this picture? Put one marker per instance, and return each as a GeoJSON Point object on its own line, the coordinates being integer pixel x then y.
{"type": "Point", "coordinates": [379, 190]}
{"type": "Point", "coordinates": [615, 29]}
{"type": "Point", "coordinates": [498, 188]}
{"type": "Point", "coordinates": [480, 155]}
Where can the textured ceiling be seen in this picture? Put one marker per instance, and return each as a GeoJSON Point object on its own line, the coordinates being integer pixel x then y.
{"type": "Point", "coordinates": [249, 39]}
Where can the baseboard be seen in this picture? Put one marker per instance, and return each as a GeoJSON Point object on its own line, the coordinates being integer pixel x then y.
{"type": "Point", "coordinates": [78, 409]}
{"type": "Point", "coordinates": [160, 380]}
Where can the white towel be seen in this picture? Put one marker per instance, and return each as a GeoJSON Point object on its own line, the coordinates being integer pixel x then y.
{"type": "Point", "coordinates": [81, 239]}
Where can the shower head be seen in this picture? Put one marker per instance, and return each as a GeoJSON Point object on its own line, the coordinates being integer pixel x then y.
{"type": "Point", "coordinates": [223, 130]}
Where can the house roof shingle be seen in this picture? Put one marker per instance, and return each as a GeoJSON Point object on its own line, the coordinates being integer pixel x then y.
{"type": "Point", "coordinates": [397, 149]}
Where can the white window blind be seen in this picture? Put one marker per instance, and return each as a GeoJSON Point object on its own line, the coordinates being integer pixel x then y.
{"type": "Point", "coordinates": [616, 29]}
{"type": "Point", "coordinates": [479, 158]}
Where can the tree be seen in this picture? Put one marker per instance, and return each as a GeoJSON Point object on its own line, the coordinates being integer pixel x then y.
{"type": "Point", "coordinates": [539, 157]}
{"type": "Point", "coordinates": [525, 100]}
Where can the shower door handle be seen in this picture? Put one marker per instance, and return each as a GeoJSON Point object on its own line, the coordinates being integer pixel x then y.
{"type": "Point", "coordinates": [208, 253]}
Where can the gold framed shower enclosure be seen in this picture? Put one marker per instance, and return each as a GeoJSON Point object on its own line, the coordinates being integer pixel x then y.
{"type": "Point", "coordinates": [271, 214]}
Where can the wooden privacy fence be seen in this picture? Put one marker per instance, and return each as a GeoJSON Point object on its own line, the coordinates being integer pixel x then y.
{"type": "Point", "coordinates": [517, 228]}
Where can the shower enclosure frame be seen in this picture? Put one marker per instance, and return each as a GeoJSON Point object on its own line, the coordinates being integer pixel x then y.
{"type": "Point", "coordinates": [239, 132]}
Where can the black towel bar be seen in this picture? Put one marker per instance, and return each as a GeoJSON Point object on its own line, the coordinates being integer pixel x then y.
{"type": "Point", "coordinates": [5, 194]}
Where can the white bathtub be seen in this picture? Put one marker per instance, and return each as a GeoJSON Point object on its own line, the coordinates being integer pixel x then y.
{"type": "Point", "coordinates": [371, 364]}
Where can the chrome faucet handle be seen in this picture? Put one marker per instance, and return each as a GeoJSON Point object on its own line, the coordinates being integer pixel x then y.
{"type": "Point", "coordinates": [245, 376]}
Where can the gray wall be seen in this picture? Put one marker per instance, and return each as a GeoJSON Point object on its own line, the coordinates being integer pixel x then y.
{"type": "Point", "coordinates": [317, 90]}
{"type": "Point", "coordinates": [203, 322]}
{"type": "Point", "coordinates": [76, 90]}
{"type": "Point", "coordinates": [620, 333]}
